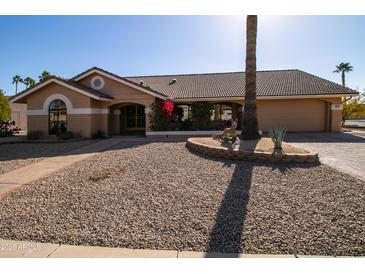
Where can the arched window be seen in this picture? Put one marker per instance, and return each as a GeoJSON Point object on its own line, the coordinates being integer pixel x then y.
{"type": "Point", "coordinates": [57, 117]}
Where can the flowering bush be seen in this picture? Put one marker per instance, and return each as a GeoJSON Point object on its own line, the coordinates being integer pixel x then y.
{"type": "Point", "coordinates": [168, 107]}
{"type": "Point", "coordinates": [161, 115]}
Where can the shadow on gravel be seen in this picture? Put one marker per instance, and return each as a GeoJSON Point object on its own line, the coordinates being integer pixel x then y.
{"type": "Point", "coordinates": [225, 239]}
{"type": "Point", "coordinates": [226, 235]}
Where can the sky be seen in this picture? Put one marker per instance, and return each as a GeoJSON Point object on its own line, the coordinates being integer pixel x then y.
{"type": "Point", "coordinates": [155, 45]}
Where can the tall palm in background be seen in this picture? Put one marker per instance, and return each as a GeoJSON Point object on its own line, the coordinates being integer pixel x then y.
{"type": "Point", "coordinates": [29, 82]}
{"type": "Point", "coordinates": [16, 80]}
{"type": "Point", "coordinates": [249, 123]}
{"type": "Point", "coordinates": [45, 74]}
{"type": "Point", "coordinates": [343, 68]}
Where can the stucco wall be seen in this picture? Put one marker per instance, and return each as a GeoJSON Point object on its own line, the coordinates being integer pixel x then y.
{"type": "Point", "coordinates": [76, 123]}
{"type": "Point", "coordinates": [19, 115]}
{"type": "Point", "coordinates": [36, 99]}
{"type": "Point", "coordinates": [120, 92]}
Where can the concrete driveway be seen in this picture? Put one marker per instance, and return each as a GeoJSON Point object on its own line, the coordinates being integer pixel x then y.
{"type": "Point", "coordinates": [355, 123]}
{"type": "Point", "coordinates": [343, 151]}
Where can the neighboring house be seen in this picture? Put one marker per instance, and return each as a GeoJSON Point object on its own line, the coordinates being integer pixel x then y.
{"type": "Point", "coordinates": [99, 100]}
{"type": "Point", "coordinates": [18, 114]}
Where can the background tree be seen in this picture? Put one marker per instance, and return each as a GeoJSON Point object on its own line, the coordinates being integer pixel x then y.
{"type": "Point", "coordinates": [353, 106]}
{"type": "Point", "coordinates": [45, 74]}
{"type": "Point", "coordinates": [249, 122]}
{"type": "Point", "coordinates": [16, 80]}
{"type": "Point", "coordinates": [5, 114]}
{"type": "Point", "coordinates": [343, 68]}
{"type": "Point", "coordinates": [29, 82]}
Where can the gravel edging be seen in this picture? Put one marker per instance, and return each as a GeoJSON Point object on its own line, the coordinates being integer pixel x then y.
{"type": "Point", "coordinates": [161, 196]}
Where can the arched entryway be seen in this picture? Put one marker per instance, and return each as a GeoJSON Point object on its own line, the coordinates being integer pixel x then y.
{"type": "Point", "coordinates": [57, 117]}
{"type": "Point", "coordinates": [127, 118]}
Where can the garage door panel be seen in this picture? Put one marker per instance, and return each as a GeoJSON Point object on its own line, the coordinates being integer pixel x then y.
{"type": "Point", "coordinates": [295, 115]}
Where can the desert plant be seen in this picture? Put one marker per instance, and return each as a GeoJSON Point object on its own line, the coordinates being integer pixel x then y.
{"type": "Point", "coordinates": [277, 136]}
{"type": "Point", "coordinates": [8, 128]}
{"type": "Point", "coordinates": [35, 135]}
{"type": "Point", "coordinates": [201, 113]}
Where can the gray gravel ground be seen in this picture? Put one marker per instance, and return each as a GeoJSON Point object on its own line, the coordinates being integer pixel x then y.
{"type": "Point", "coordinates": [161, 196]}
{"type": "Point", "coordinates": [14, 156]}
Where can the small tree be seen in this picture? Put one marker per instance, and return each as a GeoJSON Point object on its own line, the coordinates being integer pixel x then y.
{"type": "Point", "coordinates": [351, 106]}
{"type": "Point", "coordinates": [45, 74]}
{"type": "Point", "coordinates": [29, 82]}
{"type": "Point", "coordinates": [16, 80]}
{"type": "Point", "coordinates": [201, 113]}
{"type": "Point", "coordinates": [5, 113]}
{"type": "Point", "coordinates": [161, 115]}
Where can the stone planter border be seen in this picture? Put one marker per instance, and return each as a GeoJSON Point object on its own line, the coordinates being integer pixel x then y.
{"type": "Point", "coordinates": [257, 156]}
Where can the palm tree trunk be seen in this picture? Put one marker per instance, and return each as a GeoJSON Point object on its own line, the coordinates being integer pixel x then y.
{"type": "Point", "coordinates": [249, 122]}
{"type": "Point", "coordinates": [16, 87]}
{"type": "Point", "coordinates": [343, 78]}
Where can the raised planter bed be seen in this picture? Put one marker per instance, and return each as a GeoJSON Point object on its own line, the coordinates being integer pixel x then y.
{"type": "Point", "coordinates": [260, 151]}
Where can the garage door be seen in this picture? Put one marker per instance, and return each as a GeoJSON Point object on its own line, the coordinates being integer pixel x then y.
{"type": "Point", "coordinates": [295, 115]}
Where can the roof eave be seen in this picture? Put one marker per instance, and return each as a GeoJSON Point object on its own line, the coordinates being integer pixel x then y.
{"type": "Point", "coordinates": [62, 83]}
{"type": "Point", "coordinates": [120, 80]}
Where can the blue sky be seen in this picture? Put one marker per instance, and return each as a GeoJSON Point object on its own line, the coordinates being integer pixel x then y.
{"type": "Point", "coordinates": [152, 45]}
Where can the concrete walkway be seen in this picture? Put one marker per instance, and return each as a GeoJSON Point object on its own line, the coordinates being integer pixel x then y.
{"type": "Point", "coordinates": [24, 249]}
{"type": "Point", "coordinates": [342, 151]}
{"type": "Point", "coordinates": [26, 175]}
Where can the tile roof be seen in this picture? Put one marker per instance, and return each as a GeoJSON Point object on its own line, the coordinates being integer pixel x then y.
{"type": "Point", "coordinates": [232, 84]}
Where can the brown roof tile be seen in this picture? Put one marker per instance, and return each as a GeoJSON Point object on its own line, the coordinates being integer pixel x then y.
{"type": "Point", "coordinates": [232, 84]}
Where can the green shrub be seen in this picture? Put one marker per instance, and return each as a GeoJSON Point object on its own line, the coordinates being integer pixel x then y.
{"type": "Point", "coordinates": [8, 128]}
{"type": "Point", "coordinates": [161, 115]}
{"type": "Point", "coordinates": [277, 136]}
{"type": "Point", "coordinates": [201, 113]}
{"type": "Point", "coordinates": [5, 114]}
{"type": "Point", "coordinates": [35, 135]}
{"type": "Point", "coordinates": [99, 135]}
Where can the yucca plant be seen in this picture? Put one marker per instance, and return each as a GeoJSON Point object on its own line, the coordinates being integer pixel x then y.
{"type": "Point", "coordinates": [277, 136]}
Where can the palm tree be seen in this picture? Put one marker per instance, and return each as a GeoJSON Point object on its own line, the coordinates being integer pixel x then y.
{"type": "Point", "coordinates": [343, 68]}
{"type": "Point", "coordinates": [16, 80]}
{"type": "Point", "coordinates": [29, 82]}
{"type": "Point", "coordinates": [249, 123]}
{"type": "Point", "coordinates": [45, 74]}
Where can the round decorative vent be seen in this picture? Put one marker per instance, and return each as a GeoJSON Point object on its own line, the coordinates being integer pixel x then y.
{"type": "Point", "coordinates": [97, 82]}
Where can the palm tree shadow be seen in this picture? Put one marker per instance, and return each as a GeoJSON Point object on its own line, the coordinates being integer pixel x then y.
{"type": "Point", "coordinates": [226, 235]}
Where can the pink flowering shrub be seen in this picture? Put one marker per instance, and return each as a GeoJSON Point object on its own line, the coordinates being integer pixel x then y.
{"type": "Point", "coordinates": [161, 115]}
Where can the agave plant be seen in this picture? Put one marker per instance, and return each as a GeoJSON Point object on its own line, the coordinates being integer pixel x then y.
{"type": "Point", "coordinates": [277, 136]}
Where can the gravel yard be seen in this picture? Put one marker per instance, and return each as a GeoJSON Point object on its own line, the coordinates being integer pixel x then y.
{"type": "Point", "coordinates": [13, 156]}
{"type": "Point", "coordinates": [161, 196]}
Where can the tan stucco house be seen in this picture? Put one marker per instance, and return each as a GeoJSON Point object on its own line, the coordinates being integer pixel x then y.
{"type": "Point", "coordinates": [97, 100]}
